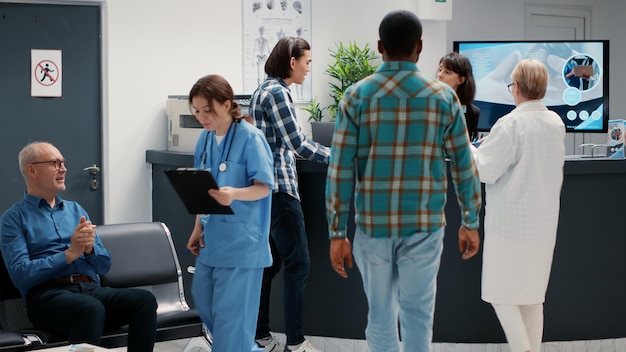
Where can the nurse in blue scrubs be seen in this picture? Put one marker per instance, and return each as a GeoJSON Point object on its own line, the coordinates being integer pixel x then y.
{"type": "Point", "coordinates": [231, 250]}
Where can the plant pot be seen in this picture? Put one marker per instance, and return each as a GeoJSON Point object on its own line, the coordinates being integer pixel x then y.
{"type": "Point", "coordinates": [323, 132]}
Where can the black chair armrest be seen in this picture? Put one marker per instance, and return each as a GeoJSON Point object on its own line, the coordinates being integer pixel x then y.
{"type": "Point", "coordinates": [10, 339]}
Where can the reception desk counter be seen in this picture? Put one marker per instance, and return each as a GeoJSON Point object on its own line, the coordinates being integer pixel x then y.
{"type": "Point", "coordinates": [585, 298]}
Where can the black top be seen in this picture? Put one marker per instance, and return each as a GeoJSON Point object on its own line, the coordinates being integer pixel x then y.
{"type": "Point", "coordinates": [471, 119]}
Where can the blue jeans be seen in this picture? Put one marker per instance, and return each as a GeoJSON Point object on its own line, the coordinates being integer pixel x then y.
{"type": "Point", "coordinates": [289, 246]}
{"type": "Point", "coordinates": [400, 282]}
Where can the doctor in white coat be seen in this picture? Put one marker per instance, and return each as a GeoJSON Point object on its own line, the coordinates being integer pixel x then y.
{"type": "Point", "coordinates": [521, 163]}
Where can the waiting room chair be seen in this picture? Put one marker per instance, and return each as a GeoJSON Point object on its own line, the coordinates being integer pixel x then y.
{"type": "Point", "coordinates": [143, 256]}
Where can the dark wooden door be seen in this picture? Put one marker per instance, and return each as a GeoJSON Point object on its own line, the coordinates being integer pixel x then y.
{"type": "Point", "coordinates": [72, 122]}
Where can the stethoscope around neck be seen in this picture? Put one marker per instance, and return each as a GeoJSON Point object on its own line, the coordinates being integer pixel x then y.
{"type": "Point", "coordinates": [223, 166]}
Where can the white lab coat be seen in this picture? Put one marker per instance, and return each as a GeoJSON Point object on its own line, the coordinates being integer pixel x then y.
{"type": "Point", "coordinates": [521, 163]}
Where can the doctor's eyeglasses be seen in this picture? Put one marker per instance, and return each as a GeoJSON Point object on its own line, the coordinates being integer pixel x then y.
{"type": "Point", "coordinates": [510, 87]}
{"type": "Point", "coordinates": [55, 163]}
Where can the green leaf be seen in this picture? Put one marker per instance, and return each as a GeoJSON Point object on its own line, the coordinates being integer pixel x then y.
{"type": "Point", "coordinates": [351, 64]}
{"type": "Point", "coordinates": [316, 112]}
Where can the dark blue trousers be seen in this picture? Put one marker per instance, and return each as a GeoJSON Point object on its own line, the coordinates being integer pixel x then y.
{"type": "Point", "coordinates": [85, 310]}
{"type": "Point", "coordinates": [290, 247]}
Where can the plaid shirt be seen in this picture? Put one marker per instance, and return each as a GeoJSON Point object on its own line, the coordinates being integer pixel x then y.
{"type": "Point", "coordinates": [273, 112]}
{"type": "Point", "coordinates": [394, 130]}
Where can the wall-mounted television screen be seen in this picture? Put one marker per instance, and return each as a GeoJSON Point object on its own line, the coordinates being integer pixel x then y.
{"type": "Point", "coordinates": [578, 88]}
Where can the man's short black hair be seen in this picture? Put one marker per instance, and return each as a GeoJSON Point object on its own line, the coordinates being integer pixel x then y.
{"type": "Point", "coordinates": [400, 32]}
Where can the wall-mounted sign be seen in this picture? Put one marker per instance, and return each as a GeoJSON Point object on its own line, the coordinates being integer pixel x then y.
{"type": "Point", "coordinates": [46, 73]}
{"type": "Point", "coordinates": [434, 9]}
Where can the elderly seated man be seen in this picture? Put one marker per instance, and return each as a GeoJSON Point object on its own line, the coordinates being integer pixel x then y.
{"type": "Point", "coordinates": [54, 257]}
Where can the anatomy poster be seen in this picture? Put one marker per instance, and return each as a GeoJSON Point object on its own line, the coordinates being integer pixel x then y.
{"type": "Point", "coordinates": [264, 23]}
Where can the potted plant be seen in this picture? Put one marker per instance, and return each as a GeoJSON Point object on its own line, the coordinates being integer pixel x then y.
{"type": "Point", "coordinates": [322, 131]}
{"type": "Point", "coordinates": [351, 64]}
{"type": "Point", "coordinates": [315, 111]}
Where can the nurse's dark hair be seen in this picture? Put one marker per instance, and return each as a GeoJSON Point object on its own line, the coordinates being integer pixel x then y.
{"type": "Point", "coordinates": [278, 63]}
{"type": "Point", "coordinates": [216, 88]}
{"type": "Point", "coordinates": [400, 32]}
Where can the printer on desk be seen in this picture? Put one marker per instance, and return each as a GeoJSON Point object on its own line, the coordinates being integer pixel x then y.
{"type": "Point", "coordinates": [183, 130]}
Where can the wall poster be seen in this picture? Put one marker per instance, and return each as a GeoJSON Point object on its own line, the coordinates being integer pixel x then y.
{"type": "Point", "coordinates": [264, 23]}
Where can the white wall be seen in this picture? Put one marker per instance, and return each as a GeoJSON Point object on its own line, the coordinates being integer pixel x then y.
{"type": "Point", "coordinates": [505, 19]}
{"type": "Point", "coordinates": [156, 49]}
{"type": "Point", "coordinates": [617, 28]}
{"type": "Point", "coordinates": [159, 48]}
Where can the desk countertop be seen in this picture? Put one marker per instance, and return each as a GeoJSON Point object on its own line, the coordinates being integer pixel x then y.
{"type": "Point", "coordinates": [573, 166]}
{"type": "Point", "coordinates": [69, 348]}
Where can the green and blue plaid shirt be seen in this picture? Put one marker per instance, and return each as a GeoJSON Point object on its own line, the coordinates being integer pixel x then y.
{"type": "Point", "coordinates": [393, 134]}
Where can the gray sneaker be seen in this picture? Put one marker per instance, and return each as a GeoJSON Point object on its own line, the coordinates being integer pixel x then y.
{"type": "Point", "coordinates": [270, 344]}
{"type": "Point", "coordinates": [306, 346]}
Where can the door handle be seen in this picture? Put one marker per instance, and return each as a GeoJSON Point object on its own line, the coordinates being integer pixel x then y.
{"type": "Point", "coordinates": [93, 169]}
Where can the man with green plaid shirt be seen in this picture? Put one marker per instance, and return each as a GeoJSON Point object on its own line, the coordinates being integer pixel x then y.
{"type": "Point", "coordinates": [394, 131]}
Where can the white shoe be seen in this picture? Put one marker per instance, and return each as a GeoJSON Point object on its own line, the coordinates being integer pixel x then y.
{"type": "Point", "coordinates": [270, 344]}
{"type": "Point", "coordinates": [306, 346]}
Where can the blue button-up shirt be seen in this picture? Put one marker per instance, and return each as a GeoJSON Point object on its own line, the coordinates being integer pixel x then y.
{"type": "Point", "coordinates": [33, 240]}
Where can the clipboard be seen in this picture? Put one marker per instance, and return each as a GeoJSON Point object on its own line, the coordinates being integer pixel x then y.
{"type": "Point", "coordinates": [583, 70]}
{"type": "Point", "coordinates": [192, 186]}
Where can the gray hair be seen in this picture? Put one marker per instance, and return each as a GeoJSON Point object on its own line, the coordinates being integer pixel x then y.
{"type": "Point", "coordinates": [532, 77]}
{"type": "Point", "coordinates": [28, 154]}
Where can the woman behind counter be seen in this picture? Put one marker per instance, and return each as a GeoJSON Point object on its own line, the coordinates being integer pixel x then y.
{"type": "Point", "coordinates": [521, 163]}
{"type": "Point", "coordinates": [456, 71]}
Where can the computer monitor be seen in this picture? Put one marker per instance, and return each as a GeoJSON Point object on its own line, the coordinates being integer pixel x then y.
{"type": "Point", "coordinates": [578, 87]}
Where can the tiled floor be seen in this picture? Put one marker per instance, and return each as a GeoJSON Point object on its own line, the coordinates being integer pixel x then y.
{"type": "Point", "coordinates": [329, 344]}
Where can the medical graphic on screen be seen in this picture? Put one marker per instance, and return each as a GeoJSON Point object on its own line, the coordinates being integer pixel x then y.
{"type": "Point", "coordinates": [577, 88]}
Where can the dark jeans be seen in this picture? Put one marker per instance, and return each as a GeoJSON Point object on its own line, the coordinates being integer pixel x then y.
{"type": "Point", "coordinates": [289, 246]}
{"type": "Point", "coordinates": [84, 310]}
